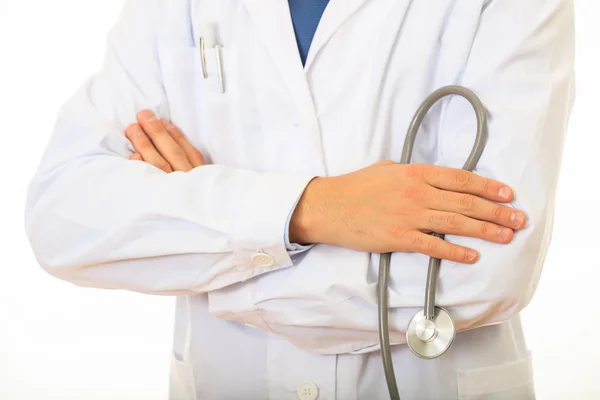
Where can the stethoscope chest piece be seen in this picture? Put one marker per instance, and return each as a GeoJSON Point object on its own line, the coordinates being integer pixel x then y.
{"type": "Point", "coordinates": [430, 338]}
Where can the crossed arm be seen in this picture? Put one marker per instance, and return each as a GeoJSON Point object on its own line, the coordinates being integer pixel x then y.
{"type": "Point", "coordinates": [97, 219]}
{"type": "Point", "coordinates": [396, 204]}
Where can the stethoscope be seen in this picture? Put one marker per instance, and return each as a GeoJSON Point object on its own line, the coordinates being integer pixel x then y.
{"type": "Point", "coordinates": [432, 330]}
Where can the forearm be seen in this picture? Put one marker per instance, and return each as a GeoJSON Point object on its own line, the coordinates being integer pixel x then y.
{"type": "Point", "coordinates": [307, 225]}
{"type": "Point", "coordinates": [104, 221]}
{"type": "Point", "coordinates": [526, 84]}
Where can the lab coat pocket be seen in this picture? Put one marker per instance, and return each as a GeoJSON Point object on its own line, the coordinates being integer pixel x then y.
{"type": "Point", "coordinates": [508, 381]}
{"type": "Point", "coordinates": [230, 114]}
{"type": "Point", "coordinates": [183, 75]}
{"type": "Point", "coordinates": [204, 108]}
{"type": "Point", "coordinates": [182, 385]}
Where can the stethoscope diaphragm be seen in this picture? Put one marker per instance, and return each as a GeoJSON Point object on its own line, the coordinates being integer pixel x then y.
{"type": "Point", "coordinates": [430, 338]}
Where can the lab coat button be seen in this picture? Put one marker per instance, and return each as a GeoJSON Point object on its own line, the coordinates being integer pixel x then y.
{"type": "Point", "coordinates": [308, 391]}
{"type": "Point", "coordinates": [263, 260]}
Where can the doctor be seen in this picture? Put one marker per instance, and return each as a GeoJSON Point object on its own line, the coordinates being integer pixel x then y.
{"type": "Point", "coordinates": [258, 194]}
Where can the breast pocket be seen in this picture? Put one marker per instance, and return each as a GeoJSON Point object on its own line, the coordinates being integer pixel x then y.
{"type": "Point", "coordinates": [197, 104]}
{"type": "Point", "coordinates": [508, 381]}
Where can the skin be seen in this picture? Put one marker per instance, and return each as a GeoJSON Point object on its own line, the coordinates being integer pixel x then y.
{"type": "Point", "coordinates": [162, 144]}
{"type": "Point", "coordinates": [385, 207]}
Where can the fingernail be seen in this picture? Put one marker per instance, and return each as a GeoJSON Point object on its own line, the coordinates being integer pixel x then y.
{"type": "Point", "coordinates": [471, 255]}
{"type": "Point", "coordinates": [517, 218]}
{"type": "Point", "coordinates": [505, 193]}
{"type": "Point", "coordinates": [136, 131]}
{"type": "Point", "coordinates": [504, 233]}
{"type": "Point", "coordinates": [147, 116]}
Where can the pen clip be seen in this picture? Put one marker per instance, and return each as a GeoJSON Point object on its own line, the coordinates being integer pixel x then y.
{"type": "Point", "coordinates": [207, 40]}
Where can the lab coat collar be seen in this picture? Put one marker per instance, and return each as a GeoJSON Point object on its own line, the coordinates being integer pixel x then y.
{"type": "Point", "coordinates": [274, 22]}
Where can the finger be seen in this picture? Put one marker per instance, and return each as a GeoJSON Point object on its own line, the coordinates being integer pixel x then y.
{"type": "Point", "coordinates": [193, 154]}
{"type": "Point", "coordinates": [457, 224]}
{"type": "Point", "coordinates": [459, 180]}
{"type": "Point", "coordinates": [142, 145]}
{"type": "Point", "coordinates": [476, 207]}
{"type": "Point", "coordinates": [136, 157]}
{"type": "Point", "coordinates": [433, 246]}
{"type": "Point", "coordinates": [163, 142]}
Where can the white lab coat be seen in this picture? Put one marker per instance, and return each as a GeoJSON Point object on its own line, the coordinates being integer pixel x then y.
{"type": "Point", "coordinates": [255, 320]}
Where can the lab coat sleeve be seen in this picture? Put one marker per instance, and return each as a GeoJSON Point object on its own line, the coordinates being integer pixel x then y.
{"type": "Point", "coordinates": [521, 65]}
{"type": "Point", "coordinates": [97, 219]}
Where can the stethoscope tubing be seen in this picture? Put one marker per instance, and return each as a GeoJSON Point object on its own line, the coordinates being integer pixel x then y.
{"type": "Point", "coordinates": [434, 263]}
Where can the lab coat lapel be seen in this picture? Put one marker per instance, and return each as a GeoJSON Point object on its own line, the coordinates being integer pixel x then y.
{"type": "Point", "coordinates": [336, 13]}
{"type": "Point", "coordinates": [273, 22]}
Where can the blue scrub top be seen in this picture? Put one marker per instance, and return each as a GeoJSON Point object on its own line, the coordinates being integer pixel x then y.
{"type": "Point", "coordinates": [306, 15]}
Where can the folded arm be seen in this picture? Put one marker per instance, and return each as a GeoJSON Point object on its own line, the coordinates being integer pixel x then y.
{"type": "Point", "coordinates": [97, 219]}
{"type": "Point", "coordinates": [521, 66]}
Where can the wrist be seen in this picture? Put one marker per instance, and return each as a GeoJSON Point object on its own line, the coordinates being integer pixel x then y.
{"type": "Point", "coordinates": [308, 220]}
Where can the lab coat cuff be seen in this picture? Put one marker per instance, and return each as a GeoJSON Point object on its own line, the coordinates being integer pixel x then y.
{"type": "Point", "coordinates": [294, 248]}
{"type": "Point", "coordinates": [263, 214]}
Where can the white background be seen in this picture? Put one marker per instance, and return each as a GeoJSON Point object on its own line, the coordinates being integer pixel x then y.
{"type": "Point", "coordinates": [62, 342]}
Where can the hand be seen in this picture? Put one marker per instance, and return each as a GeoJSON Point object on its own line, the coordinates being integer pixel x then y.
{"type": "Point", "coordinates": [391, 207]}
{"type": "Point", "coordinates": [162, 144]}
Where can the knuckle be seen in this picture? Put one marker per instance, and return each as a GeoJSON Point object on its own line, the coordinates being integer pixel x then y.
{"type": "Point", "coordinates": [467, 202]}
{"type": "Point", "coordinates": [165, 167]}
{"type": "Point", "coordinates": [453, 221]}
{"type": "Point", "coordinates": [497, 211]}
{"type": "Point", "coordinates": [153, 132]}
{"type": "Point", "coordinates": [430, 172]}
{"type": "Point", "coordinates": [173, 131]}
{"type": "Point", "coordinates": [143, 143]}
{"type": "Point", "coordinates": [435, 220]}
{"type": "Point", "coordinates": [461, 177]}
{"type": "Point", "coordinates": [413, 192]}
{"type": "Point", "coordinates": [397, 232]}
{"type": "Point", "coordinates": [431, 245]}
{"type": "Point", "coordinates": [179, 154]}
{"type": "Point", "coordinates": [445, 197]}
{"type": "Point", "coordinates": [484, 229]}
{"type": "Point", "coordinates": [417, 242]}
{"type": "Point", "coordinates": [453, 253]}
{"type": "Point", "coordinates": [414, 170]}
{"type": "Point", "coordinates": [487, 186]}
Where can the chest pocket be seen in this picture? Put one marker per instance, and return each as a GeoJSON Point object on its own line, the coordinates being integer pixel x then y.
{"type": "Point", "coordinates": [197, 104]}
